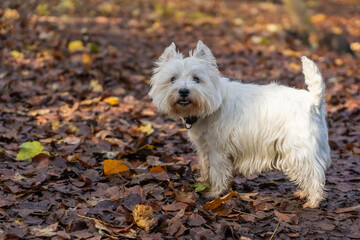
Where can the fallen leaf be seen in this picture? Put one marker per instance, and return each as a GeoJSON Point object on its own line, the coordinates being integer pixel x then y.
{"type": "Point", "coordinates": [42, 231]}
{"type": "Point", "coordinates": [176, 206]}
{"type": "Point", "coordinates": [318, 18]}
{"type": "Point", "coordinates": [156, 169]}
{"type": "Point", "coordinates": [112, 100]}
{"type": "Point", "coordinates": [349, 209]}
{"type": "Point", "coordinates": [289, 218]}
{"type": "Point", "coordinates": [11, 14]}
{"type": "Point", "coordinates": [114, 166]}
{"type": "Point", "coordinates": [86, 58]}
{"type": "Point", "coordinates": [75, 46]}
{"type": "Point", "coordinates": [196, 220]}
{"type": "Point", "coordinates": [246, 196]}
{"type": "Point", "coordinates": [28, 150]}
{"type": "Point", "coordinates": [143, 217]}
{"type": "Point", "coordinates": [72, 140]}
{"type": "Point", "coordinates": [16, 54]}
{"type": "Point", "coordinates": [147, 129]}
{"type": "Point", "coordinates": [175, 226]}
{"type": "Point", "coordinates": [145, 147]}
{"type": "Point", "coordinates": [96, 86]}
{"type": "Point", "coordinates": [217, 201]}
{"type": "Point", "coordinates": [200, 186]}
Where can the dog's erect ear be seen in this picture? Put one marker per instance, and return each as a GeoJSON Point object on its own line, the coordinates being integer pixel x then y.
{"type": "Point", "coordinates": [168, 53]}
{"type": "Point", "coordinates": [203, 52]}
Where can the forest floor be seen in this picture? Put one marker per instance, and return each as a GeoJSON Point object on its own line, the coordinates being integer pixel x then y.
{"type": "Point", "coordinates": [74, 76]}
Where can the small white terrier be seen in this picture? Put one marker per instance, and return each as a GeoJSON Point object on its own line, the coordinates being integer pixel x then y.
{"type": "Point", "coordinates": [246, 128]}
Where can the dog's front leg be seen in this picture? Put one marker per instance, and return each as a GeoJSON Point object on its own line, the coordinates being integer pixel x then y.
{"type": "Point", "coordinates": [220, 173]}
{"type": "Point", "coordinates": [204, 167]}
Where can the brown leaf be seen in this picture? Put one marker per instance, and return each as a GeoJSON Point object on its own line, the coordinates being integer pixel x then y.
{"type": "Point", "coordinates": [195, 220]}
{"type": "Point", "coordinates": [72, 140]}
{"type": "Point", "coordinates": [217, 201]}
{"type": "Point", "coordinates": [176, 206]}
{"type": "Point", "coordinates": [246, 196]}
{"type": "Point", "coordinates": [161, 176]}
{"type": "Point", "coordinates": [40, 161]}
{"type": "Point", "coordinates": [186, 197]}
{"type": "Point", "coordinates": [289, 218]}
{"type": "Point", "coordinates": [349, 209]}
{"type": "Point", "coordinates": [247, 218]}
{"type": "Point", "coordinates": [42, 231]}
{"type": "Point", "coordinates": [175, 225]}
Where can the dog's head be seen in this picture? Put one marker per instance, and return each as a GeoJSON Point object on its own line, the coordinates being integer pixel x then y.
{"type": "Point", "coordinates": [186, 86]}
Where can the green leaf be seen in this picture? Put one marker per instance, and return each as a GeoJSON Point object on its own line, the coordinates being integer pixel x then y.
{"type": "Point", "coordinates": [199, 187]}
{"type": "Point", "coordinates": [28, 150]}
{"type": "Point", "coordinates": [93, 48]}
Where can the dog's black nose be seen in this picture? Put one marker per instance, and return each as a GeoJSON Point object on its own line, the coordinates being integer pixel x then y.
{"type": "Point", "coordinates": [184, 92]}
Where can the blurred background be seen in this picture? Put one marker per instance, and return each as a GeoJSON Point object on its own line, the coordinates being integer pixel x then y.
{"type": "Point", "coordinates": [119, 39]}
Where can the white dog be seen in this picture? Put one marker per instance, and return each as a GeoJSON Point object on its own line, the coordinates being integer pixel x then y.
{"type": "Point", "coordinates": [246, 128]}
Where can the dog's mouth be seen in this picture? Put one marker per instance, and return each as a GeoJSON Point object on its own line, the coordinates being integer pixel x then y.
{"type": "Point", "coordinates": [184, 102]}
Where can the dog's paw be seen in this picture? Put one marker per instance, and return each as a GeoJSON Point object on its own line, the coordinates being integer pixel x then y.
{"type": "Point", "coordinates": [311, 204]}
{"type": "Point", "coordinates": [300, 194]}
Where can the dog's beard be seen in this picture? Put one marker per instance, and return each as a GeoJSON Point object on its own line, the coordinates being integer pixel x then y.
{"type": "Point", "coordinates": [193, 105]}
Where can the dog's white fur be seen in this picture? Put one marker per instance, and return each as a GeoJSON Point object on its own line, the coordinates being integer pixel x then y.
{"type": "Point", "coordinates": [247, 128]}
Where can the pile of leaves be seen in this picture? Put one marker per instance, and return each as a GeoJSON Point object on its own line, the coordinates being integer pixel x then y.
{"type": "Point", "coordinates": [84, 155]}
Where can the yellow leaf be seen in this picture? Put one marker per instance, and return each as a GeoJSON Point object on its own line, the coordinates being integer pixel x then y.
{"type": "Point", "coordinates": [75, 46]}
{"type": "Point", "coordinates": [16, 54]}
{"type": "Point", "coordinates": [42, 10]}
{"type": "Point", "coordinates": [114, 166]}
{"type": "Point", "coordinates": [157, 168]}
{"type": "Point", "coordinates": [55, 125]}
{"type": "Point", "coordinates": [86, 58]}
{"type": "Point", "coordinates": [318, 18]}
{"type": "Point", "coordinates": [142, 217]}
{"type": "Point", "coordinates": [11, 14]}
{"type": "Point", "coordinates": [112, 100]}
{"type": "Point", "coordinates": [147, 129]}
{"type": "Point", "coordinates": [336, 30]}
{"type": "Point", "coordinates": [355, 46]}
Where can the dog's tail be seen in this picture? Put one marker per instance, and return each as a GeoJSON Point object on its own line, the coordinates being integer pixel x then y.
{"type": "Point", "coordinates": [314, 81]}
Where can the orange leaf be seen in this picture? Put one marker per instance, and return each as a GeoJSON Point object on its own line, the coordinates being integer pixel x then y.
{"type": "Point", "coordinates": [86, 59]}
{"type": "Point", "coordinates": [112, 100]}
{"type": "Point", "coordinates": [217, 201]}
{"type": "Point", "coordinates": [114, 166]}
{"type": "Point", "coordinates": [158, 168]}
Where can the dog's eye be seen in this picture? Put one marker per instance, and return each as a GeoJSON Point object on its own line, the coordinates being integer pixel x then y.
{"type": "Point", "coordinates": [196, 79]}
{"type": "Point", "coordinates": [173, 79]}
